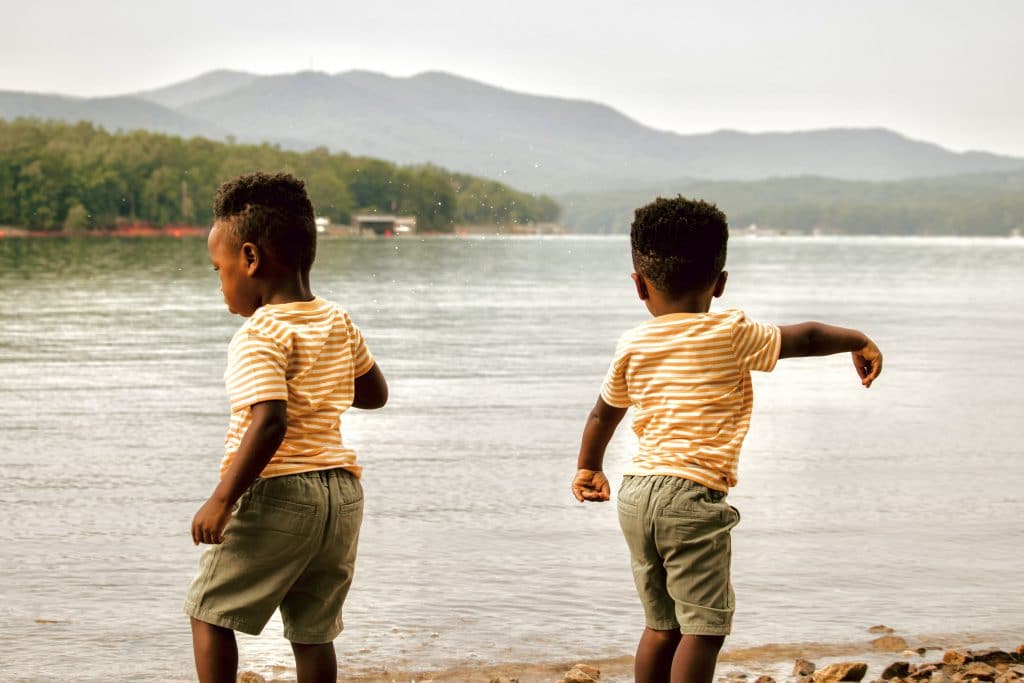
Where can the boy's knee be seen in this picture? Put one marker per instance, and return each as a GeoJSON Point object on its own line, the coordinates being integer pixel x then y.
{"type": "Point", "coordinates": [667, 636]}
{"type": "Point", "coordinates": [200, 626]}
{"type": "Point", "coordinates": [707, 642]}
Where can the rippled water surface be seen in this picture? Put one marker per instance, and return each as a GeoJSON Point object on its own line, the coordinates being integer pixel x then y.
{"type": "Point", "coordinates": [899, 505]}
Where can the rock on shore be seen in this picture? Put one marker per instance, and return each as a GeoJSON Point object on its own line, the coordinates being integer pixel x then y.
{"type": "Point", "coordinates": [957, 666]}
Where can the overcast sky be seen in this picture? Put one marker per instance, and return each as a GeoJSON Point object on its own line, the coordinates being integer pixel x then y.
{"type": "Point", "coordinates": [947, 72]}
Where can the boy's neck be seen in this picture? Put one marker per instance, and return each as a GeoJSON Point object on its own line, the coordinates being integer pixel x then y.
{"type": "Point", "coordinates": [287, 290]}
{"type": "Point", "coordinates": [659, 304]}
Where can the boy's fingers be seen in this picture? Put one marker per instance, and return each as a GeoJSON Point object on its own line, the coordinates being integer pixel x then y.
{"type": "Point", "coordinates": [872, 369]}
{"type": "Point", "coordinates": [860, 364]}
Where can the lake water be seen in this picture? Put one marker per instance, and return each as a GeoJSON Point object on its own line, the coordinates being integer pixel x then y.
{"type": "Point", "coordinates": [902, 504]}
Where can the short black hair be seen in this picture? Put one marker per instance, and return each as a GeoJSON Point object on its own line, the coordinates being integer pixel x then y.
{"type": "Point", "coordinates": [273, 212]}
{"type": "Point", "coordinates": [679, 244]}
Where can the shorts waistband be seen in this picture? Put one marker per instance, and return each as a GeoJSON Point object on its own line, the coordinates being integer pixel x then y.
{"type": "Point", "coordinates": [657, 482]}
{"type": "Point", "coordinates": [322, 474]}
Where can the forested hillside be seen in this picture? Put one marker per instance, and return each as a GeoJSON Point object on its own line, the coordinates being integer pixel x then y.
{"type": "Point", "coordinates": [80, 177]}
{"type": "Point", "coordinates": [973, 204]}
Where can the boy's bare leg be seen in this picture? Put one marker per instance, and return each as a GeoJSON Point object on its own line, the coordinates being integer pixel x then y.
{"type": "Point", "coordinates": [315, 663]}
{"type": "Point", "coordinates": [653, 663]}
{"type": "Point", "coordinates": [215, 651]}
{"type": "Point", "coordinates": [695, 659]}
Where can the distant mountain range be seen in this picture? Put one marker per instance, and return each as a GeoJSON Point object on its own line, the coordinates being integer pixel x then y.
{"type": "Point", "coordinates": [539, 144]}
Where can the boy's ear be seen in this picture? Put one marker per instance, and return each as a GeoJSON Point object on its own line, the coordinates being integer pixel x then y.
{"type": "Point", "coordinates": [251, 254]}
{"type": "Point", "coordinates": [641, 286]}
{"type": "Point", "coordinates": [720, 284]}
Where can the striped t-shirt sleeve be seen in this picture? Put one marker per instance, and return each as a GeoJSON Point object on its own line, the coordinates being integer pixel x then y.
{"type": "Point", "coordinates": [614, 391]}
{"type": "Point", "coordinates": [362, 359]}
{"type": "Point", "coordinates": [756, 345]}
{"type": "Point", "coordinates": [256, 370]}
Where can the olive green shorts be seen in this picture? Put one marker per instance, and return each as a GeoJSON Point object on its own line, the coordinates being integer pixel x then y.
{"type": "Point", "coordinates": [290, 543]}
{"type": "Point", "coordinates": [680, 548]}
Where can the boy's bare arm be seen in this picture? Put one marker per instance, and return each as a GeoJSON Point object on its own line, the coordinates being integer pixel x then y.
{"type": "Point", "coordinates": [261, 441]}
{"type": "Point", "coordinates": [590, 482]}
{"type": "Point", "coordinates": [818, 339]}
{"type": "Point", "coordinates": [371, 390]}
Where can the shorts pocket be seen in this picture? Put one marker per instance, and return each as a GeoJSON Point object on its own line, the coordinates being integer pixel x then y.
{"type": "Point", "coordinates": [285, 516]}
{"type": "Point", "coordinates": [627, 509]}
{"type": "Point", "coordinates": [630, 491]}
{"type": "Point", "coordinates": [286, 505]}
{"type": "Point", "coordinates": [348, 509]}
{"type": "Point", "coordinates": [696, 501]}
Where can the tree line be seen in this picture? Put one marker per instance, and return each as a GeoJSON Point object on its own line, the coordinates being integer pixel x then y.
{"type": "Point", "coordinates": [78, 177]}
{"type": "Point", "coordinates": [972, 204]}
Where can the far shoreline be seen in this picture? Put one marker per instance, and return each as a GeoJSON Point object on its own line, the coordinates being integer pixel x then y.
{"type": "Point", "coordinates": [9, 233]}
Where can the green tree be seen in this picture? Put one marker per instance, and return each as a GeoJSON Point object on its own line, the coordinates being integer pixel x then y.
{"type": "Point", "coordinates": [427, 193]}
{"type": "Point", "coordinates": [77, 219]}
{"type": "Point", "coordinates": [330, 195]}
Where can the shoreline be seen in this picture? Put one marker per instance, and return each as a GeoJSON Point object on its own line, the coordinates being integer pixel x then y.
{"type": "Point", "coordinates": [922, 659]}
{"type": "Point", "coordinates": [190, 231]}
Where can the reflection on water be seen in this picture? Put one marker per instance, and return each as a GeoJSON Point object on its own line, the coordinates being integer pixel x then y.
{"type": "Point", "coordinates": [898, 505]}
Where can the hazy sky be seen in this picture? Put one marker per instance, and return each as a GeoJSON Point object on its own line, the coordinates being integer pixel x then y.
{"type": "Point", "coordinates": [947, 72]}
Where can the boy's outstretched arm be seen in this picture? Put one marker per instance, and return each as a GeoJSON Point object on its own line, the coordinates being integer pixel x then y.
{"type": "Point", "coordinates": [818, 339]}
{"type": "Point", "coordinates": [371, 390]}
{"type": "Point", "coordinates": [590, 482]}
{"type": "Point", "coordinates": [261, 441]}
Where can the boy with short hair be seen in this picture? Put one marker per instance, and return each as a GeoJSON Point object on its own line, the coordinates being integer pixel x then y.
{"type": "Point", "coordinates": [283, 522]}
{"type": "Point", "coordinates": [686, 373]}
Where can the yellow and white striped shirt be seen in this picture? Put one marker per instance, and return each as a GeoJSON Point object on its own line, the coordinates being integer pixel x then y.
{"type": "Point", "coordinates": [309, 354]}
{"type": "Point", "coordinates": [687, 376]}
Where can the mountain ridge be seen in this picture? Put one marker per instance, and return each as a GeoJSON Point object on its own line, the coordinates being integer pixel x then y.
{"type": "Point", "coordinates": [540, 143]}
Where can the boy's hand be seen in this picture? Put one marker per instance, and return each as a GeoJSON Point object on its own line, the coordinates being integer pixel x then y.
{"type": "Point", "coordinates": [208, 524]}
{"type": "Point", "coordinates": [868, 362]}
{"type": "Point", "coordinates": [590, 485]}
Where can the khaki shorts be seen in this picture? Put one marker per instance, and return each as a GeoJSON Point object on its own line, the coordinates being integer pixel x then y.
{"type": "Point", "coordinates": [290, 543]}
{"type": "Point", "coordinates": [678, 536]}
